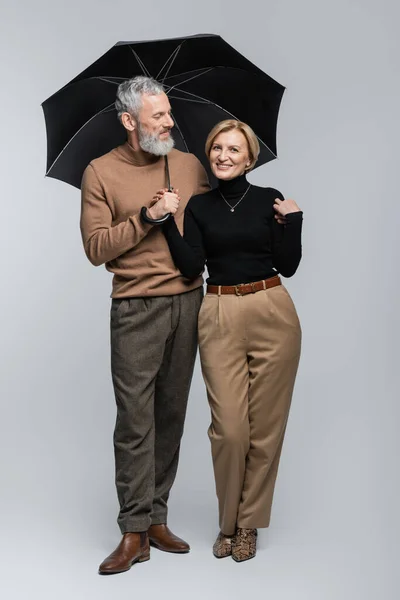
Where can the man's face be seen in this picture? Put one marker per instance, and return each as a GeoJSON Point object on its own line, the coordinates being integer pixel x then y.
{"type": "Point", "coordinates": [155, 124]}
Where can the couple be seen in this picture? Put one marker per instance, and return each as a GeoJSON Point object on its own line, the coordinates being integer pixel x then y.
{"type": "Point", "coordinates": [247, 326]}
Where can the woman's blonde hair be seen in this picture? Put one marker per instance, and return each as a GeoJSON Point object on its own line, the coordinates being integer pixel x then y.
{"type": "Point", "coordinates": [228, 125]}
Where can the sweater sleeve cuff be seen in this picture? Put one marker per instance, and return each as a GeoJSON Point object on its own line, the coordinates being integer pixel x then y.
{"type": "Point", "coordinates": [169, 226]}
{"type": "Point", "coordinates": [294, 217]}
{"type": "Point", "coordinates": [140, 225]}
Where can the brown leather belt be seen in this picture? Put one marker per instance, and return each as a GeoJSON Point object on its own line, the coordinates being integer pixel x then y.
{"type": "Point", "coordinates": [245, 288]}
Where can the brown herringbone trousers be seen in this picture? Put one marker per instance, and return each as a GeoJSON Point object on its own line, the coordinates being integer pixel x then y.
{"type": "Point", "coordinates": [249, 350]}
{"type": "Point", "coordinates": [153, 350]}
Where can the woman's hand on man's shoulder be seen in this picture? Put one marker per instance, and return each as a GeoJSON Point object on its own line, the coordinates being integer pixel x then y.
{"type": "Point", "coordinates": [283, 208]}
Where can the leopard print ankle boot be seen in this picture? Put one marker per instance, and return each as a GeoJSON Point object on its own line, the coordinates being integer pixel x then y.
{"type": "Point", "coordinates": [223, 545]}
{"type": "Point", "coordinates": [244, 545]}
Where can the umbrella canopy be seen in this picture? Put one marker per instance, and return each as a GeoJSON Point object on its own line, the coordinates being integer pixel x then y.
{"type": "Point", "coordinates": [206, 81]}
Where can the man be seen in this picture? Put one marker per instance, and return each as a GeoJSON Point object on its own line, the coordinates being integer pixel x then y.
{"type": "Point", "coordinates": [153, 313]}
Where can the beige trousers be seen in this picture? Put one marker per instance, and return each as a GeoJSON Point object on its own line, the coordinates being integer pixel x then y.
{"type": "Point", "coordinates": [249, 350]}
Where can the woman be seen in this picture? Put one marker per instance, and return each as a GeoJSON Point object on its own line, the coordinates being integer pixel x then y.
{"type": "Point", "coordinates": [249, 332]}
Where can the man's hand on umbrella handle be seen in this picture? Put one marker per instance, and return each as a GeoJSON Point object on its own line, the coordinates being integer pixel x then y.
{"type": "Point", "coordinates": [283, 208]}
{"type": "Point", "coordinates": [164, 202]}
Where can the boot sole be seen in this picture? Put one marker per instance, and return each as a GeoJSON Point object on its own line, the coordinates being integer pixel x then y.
{"type": "Point", "coordinates": [154, 545]}
{"type": "Point", "coordinates": [138, 560]}
{"type": "Point", "coordinates": [240, 560]}
{"type": "Point", "coordinates": [223, 556]}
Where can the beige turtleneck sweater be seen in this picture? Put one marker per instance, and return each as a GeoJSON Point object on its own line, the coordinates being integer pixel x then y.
{"type": "Point", "coordinates": [114, 189]}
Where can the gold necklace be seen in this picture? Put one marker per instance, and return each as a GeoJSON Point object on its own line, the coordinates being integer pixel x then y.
{"type": "Point", "coordinates": [235, 205]}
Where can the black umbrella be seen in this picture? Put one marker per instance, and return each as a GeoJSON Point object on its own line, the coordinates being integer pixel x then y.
{"type": "Point", "coordinates": [205, 79]}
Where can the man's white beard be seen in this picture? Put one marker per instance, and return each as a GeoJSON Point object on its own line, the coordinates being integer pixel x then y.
{"type": "Point", "coordinates": [152, 143]}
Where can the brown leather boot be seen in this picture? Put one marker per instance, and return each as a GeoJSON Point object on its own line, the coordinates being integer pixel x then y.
{"type": "Point", "coordinates": [134, 547]}
{"type": "Point", "coordinates": [244, 545]}
{"type": "Point", "coordinates": [162, 538]}
{"type": "Point", "coordinates": [222, 545]}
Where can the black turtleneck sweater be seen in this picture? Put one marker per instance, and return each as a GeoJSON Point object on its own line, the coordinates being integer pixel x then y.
{"type": "Point", "coordinates": [241, 246]}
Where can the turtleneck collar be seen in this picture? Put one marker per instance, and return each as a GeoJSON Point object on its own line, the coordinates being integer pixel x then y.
{"type": "Point", "coordinates": [233, 187]}
{"type": "Point", "coordinates": [139, 158]}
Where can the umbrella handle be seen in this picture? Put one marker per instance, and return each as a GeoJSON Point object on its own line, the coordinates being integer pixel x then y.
{"type": "Point", "coordinates": [143, 212]}
{"type": "Point", "coordinates": [167, 173]}
{"type": "Point", "coordinates": [167, 178]}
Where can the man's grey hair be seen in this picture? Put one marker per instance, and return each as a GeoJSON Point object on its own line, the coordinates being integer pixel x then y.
{"type": "Point", "coordinates": [130, 92]}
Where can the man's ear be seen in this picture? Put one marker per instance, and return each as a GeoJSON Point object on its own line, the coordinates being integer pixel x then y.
{"type": "Point", "coordinates": [128, 121]}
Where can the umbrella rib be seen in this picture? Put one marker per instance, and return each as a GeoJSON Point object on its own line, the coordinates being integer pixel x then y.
{"type": "Point", "coordinates": [172, 62]}
{"type": "Point", "coordinates": [191, 78]}
{"type": "Point", "coordinates": [141, 63]}
{"type": "Point", "coordinates": [170, 58]}
{"type": "Point", "coordinates": [103, 110]}
{"type": "Point", "coordinates": [112, 79]}
{"type": "Point", "coordinates": [200, 98]}
{"type": "Point", "coordinates": [189, 100]}
{"type": "Point", "coordinates": [102, 78]}
{"type": "Point", "coordinates": [206, 69]}
{"type": "Point", "coordinates": [225, 110]}
{"type": "Point", "coordinates": [180, 131]}
{"type": "Point", "coordinates": [199, 71]}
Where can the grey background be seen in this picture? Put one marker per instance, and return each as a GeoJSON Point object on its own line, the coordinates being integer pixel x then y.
{"type": "Point", "coordinates": [335, 527]}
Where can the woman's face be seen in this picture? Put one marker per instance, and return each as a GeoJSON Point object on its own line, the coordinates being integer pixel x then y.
{"type": "Point", "coordinates": [229, 155]}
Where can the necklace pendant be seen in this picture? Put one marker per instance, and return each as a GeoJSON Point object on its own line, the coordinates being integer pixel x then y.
{"type": "Point", "coordinates": [232, 208]}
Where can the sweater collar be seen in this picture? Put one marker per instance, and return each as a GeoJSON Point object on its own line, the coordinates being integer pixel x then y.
{"type": "Point", "coordinates": [233, 187]}
{"type": "Point", "coordinates": [139, 158]}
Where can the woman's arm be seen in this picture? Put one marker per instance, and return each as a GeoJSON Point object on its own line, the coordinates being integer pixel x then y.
{"type": "Point", "coordinates": [286, 236]}
{"type": "Point", "coordinates": [188, 251]}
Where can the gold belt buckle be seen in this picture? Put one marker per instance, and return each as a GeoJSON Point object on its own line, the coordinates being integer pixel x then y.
{"type": "Point", "coordinates": [237, 291]}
